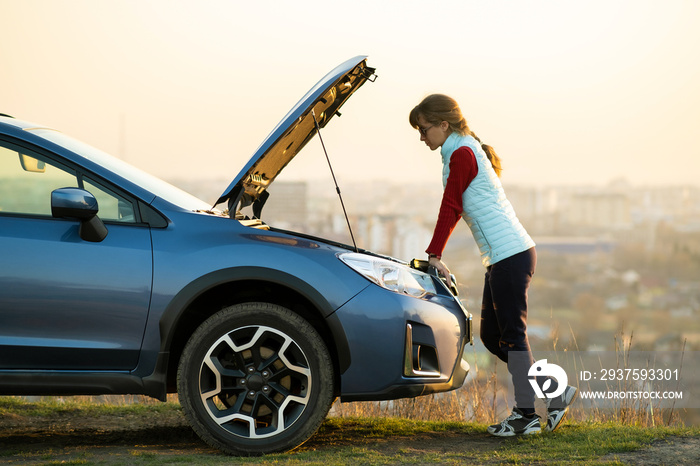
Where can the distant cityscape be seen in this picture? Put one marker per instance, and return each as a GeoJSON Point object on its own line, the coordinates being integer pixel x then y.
{"type": "Point", "coordinates": [614, 262]}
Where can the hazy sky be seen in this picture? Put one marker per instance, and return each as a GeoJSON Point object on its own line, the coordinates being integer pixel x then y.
{"type": "Point", "coordinates": [568, 92]}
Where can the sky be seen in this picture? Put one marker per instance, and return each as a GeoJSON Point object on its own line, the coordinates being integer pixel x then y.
{"type": "Point", "coordinates": [568, 93]}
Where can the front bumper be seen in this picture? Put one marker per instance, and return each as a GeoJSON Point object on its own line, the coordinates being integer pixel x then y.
{"type": "Point", "coordinates": [402, 346]}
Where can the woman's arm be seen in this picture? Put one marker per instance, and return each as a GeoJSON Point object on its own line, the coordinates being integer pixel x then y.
{"type": "Point", "coordinates": [463, 169]}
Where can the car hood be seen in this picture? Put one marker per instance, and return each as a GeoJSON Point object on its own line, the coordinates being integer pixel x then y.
{"type": "Point", "coordinates": [293, 132]}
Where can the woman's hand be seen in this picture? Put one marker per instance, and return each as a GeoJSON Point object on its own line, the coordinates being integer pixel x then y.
{"type": "Point", "coordinates": [442, 269]}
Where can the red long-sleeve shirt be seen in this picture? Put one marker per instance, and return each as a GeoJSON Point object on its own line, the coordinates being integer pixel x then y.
{"type": "Point", "coordinates": [463, 169]}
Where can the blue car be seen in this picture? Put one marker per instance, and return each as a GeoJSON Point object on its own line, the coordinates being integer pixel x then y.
{"type": "Point", "coordinates": [115, 282]}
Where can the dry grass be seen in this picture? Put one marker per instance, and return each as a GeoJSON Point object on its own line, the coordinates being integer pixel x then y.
{"type": "Point", "coordinates": [480, 400]}
{"type": "Point", "coordinates": [483, 399]}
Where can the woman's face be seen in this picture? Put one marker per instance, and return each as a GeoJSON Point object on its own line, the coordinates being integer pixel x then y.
{"type": "Point", "coordinates": [434, 135]}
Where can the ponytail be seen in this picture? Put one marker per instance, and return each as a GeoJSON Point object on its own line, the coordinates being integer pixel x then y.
{"type": "Point", "coordinates": [436, 108]}
{"type": "Point", "coordinates": [491, 154]}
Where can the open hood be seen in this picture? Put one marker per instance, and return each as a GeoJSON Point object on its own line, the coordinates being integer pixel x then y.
{"type": "Point", "coordinates": [292, 134]}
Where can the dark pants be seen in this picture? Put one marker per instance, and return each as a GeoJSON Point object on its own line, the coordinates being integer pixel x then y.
{"type": "Point", "coordinates": [504, 320]}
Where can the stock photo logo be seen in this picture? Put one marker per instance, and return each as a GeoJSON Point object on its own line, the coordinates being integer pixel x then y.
{"type": "Point", "coordinates": [542, 368]}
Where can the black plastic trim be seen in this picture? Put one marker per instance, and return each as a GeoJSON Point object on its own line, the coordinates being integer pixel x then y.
{"type": "Point", "coordinates": [73, 383]}
{"type": "Point", "coordinates": [412, 389]}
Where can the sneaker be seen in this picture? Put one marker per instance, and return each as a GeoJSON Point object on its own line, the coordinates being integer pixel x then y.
{"type": "Point", "coordinates": [557, 407]}
{"type": "Point", "coordinates": [516, 424]}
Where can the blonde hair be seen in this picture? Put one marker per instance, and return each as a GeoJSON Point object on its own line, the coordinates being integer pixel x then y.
{"type": "Point", "coordinates": [437, 108]}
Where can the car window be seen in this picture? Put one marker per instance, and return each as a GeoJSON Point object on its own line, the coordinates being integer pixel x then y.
{"type": "Point", "coordinates": [26, 182]}
{"type": "Point", "coordinates": [112, 207]}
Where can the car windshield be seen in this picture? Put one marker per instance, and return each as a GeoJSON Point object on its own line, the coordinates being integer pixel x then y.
{"type": "Point", "coordinates": [147, 181]}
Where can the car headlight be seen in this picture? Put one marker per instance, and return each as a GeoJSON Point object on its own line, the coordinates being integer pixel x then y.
{"type": "Point", "coordinates": [390, 275]}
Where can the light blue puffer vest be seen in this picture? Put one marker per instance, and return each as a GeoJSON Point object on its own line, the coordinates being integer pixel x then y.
{"type": "Point", "coordinates": [490, 216]}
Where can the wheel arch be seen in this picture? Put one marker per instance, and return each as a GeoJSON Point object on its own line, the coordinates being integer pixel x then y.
{"type": "Point", "coordinates": [213, 292]}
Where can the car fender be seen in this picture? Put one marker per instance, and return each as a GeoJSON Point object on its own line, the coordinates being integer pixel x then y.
{"type": "Point", "coordinates": [203, 284]}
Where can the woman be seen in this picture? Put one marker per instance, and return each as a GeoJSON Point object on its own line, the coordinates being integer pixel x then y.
{"type": "Point", "coordinates": [473, 191]}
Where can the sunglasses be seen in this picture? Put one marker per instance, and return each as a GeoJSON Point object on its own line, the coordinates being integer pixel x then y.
{"type": "Point", "coordinates": [423, 131]}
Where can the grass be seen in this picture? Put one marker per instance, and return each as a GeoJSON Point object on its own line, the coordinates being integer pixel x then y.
{"type": "Point", "coordinates": [445, 428]}
{"type": "Point", "coordinates": [348, 440]}
{"type": "Point", "coordinates": [84, 405]}
{"type": "Point", "coordinates": [580, 442]}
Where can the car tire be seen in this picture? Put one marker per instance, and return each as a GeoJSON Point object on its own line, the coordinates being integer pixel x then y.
{"type": "Point", "coordinates": [255, 378]}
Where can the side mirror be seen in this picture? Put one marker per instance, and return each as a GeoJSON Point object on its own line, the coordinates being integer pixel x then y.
{"type": "Point", "coordinates": [76, 203]}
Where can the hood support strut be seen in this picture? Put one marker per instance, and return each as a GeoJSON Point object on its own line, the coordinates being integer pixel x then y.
{"type": "Point", "coordinates": [337, 189]}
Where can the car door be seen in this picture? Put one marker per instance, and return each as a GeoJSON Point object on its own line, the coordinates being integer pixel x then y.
{"type": "Point", "coordinates": [66, 303]}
